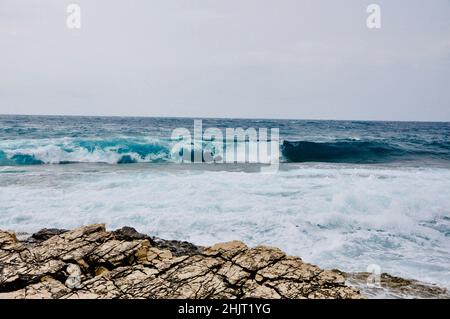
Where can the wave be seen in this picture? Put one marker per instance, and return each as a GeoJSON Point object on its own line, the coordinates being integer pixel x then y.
{"type": "Point", "coordinates": [111, 151]}
{"type": "Point", "coordinates": [145, 150]}
{"type": "Point", "coordinates": [360, 152]}
{"type": "Point", "coordinates": [65, 151]}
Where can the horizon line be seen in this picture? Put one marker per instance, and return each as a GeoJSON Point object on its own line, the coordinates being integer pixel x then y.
{"type": "Point", "coordinates": [227, 118]}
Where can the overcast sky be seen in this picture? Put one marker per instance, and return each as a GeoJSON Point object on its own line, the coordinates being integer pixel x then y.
{"type": "Point", "coordinates": [227, 58]}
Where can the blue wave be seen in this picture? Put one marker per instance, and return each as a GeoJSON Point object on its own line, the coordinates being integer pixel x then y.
{"type": "Point", "coordinates": [35, 140]}
{"type": "Point", "coordinates": [123, 151]}
{"type": "Point", "coordinates": [112, 151]}
{"type": "Point", "coordinates": [355, 152]}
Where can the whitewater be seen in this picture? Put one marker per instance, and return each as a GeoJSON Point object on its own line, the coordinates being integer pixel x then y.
{"type": "Point", "coordinates": [347, 195]}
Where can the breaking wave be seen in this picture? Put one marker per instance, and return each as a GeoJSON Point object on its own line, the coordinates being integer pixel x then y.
{"type": "Point", "coordinates": [140, 150]}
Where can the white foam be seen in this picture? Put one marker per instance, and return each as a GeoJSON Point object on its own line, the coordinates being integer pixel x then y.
{"type": "Point", "coordinates": [333, 215]}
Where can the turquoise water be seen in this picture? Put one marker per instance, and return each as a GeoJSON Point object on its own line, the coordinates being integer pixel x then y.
{"type": "Point", "coordinates": [30, 140]}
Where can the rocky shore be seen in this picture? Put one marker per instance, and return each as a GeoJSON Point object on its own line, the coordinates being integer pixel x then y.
{"type": "Point", "coordinates": [91, 262]}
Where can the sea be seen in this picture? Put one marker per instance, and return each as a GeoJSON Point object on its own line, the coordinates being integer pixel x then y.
{"type": "Point", "coordinates": [351, 195]}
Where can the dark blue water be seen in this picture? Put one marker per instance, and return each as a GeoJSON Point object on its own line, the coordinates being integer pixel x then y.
{"type": "Point", "coordinates": [28, 140]}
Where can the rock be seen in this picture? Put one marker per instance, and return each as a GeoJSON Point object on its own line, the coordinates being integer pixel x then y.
{"type": "Point", "coordinates": [396, 287]}
{"type": "Point", "coordinates": [47, 233]}
{"type": "Point", "coordinates": [90, 262]}
{"type": "Point", "coordinates": [7, 239]}
{"type": "Point", "coordinates": [129, 233]}
{"type": "Point", "coordinates": [177, 248]}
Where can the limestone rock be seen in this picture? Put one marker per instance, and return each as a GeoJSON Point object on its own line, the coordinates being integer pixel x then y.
{"type": "Point", "coordinates": [90, 262]}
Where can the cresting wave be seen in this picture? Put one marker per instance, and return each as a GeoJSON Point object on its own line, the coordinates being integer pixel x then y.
{"type": "Point", "coordinates": [362, 152]}
{"type": "Point", "coordinates": [66, 150]}
{"type": "Point", "coordinates": [112, 151]}
{"type": "Point", "coordinates": [139, 150]}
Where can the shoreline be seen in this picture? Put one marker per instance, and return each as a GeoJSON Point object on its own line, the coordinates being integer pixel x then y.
{"type": "Point", "coordinates": [91, 262]}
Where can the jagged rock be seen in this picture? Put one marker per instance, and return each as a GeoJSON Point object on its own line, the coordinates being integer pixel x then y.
{"type": "Point", "coordinates": [176, 247]}
{"type": "Point", "coordinates": [128, 233]}
{"type": "Point", "coordinates": [47, 233]}
{"type": "Point", "coordinates": [7, 240]}
{"type": "Point", "coordinates": [90, 262]}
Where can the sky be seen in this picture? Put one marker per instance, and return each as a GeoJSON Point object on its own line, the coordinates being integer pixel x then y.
{"type": "Point", "coordinates": [294, 59]}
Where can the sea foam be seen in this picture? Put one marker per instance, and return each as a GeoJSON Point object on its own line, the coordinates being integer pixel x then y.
{"type": "Point", "coordinates": [336, 215]}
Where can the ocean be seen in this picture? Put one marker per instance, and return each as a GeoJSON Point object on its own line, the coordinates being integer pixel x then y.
{"type": "Point", "coordinates": [347, 194]}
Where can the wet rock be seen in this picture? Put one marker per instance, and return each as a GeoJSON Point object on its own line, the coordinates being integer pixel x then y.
{"type": "Point", "coordinates": [47, 233]}
{"type": "Point", "coordinates": [177, 248]}
{"type": "Point", "coordinates": [395, 287]}
{"type": "Point", "coordinates": [90, 262]}
{"type": "Point", "coordinates": [129, 233]}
